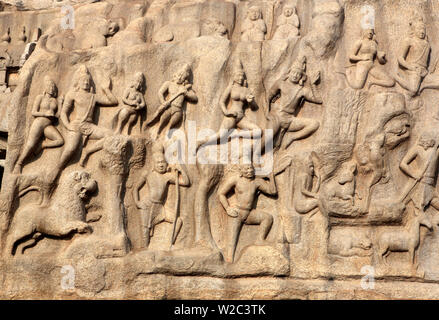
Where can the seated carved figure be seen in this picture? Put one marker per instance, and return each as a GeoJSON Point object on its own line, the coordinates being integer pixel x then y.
{"type": "Point", "coordinates": [64, 215]}
{"type": "Point", "coordinates": [307, 198]}
{"type": "Point", "coordinates": [44, 111]}
{"type": "Point", "coordinates": [253, 27]}
{"type": "Point", "coordinates": [234, 116]}
{"type": "Point", "coordinates": [133, 101]}
{"type": "Point", "coordinates": [413, 58]}
{"type": "Point", "coordinates": [246, 187]}
{"type": "Point", "coordinates": [288, 24]}
{"type": "Point", "coordinates": [363, 56]}
{"type": "Point", "coordinates": [83, 101]}
{"type": "Point", "coordinates": [157, 181]}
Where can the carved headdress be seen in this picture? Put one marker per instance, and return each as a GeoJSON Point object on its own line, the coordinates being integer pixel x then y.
{"type": "Point", "coordinates": [298, 66]}
{"type": "Point", "coordinates": [80, 73]}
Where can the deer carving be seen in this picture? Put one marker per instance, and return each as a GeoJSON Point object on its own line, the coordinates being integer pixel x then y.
{"type": "Point", "coordinates": [404, 239]}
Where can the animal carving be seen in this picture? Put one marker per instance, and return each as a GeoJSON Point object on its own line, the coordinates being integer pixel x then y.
{"type": "Point", "coordinates": [351, 244]}
{"type": "Point", "coordinates": [404, 239]}
{"type": "Point", "coordinates": [63, 215]}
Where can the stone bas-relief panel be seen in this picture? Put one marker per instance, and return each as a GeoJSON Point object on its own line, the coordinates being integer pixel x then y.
{"type": "Point", "coordinates": [272, 147]}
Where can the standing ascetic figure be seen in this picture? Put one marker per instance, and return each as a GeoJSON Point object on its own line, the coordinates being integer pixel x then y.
{"type": "Point", "coordinates": [288, 24]}
{"type": "Point", "coordinates": [253, 27]}
{"type": "Point", "coordinates": [84, 101]}
{"type": "Point", "coordinates": [293, 92]}
{"type": "Point", "coordinates": [413, 58]}
{"type": "Point", "coordinates": [133, 102]}
{"type": "Point", "coordinates": [363, 56]}
{"type": "Point", "coordinates": [422, 190]}
{"type": "Point", "coordinates": [246, 188]}
{"type": "Point", "coordinates": [44, 111]}
{"type": "Point", "coordinates": [172, 96]}
{"type": "Point", "coordinates": [157, 181]}
{"type": "Point", "coordinates": [234, 117]}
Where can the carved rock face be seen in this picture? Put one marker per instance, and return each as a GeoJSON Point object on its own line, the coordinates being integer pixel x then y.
{"type": "Point", "coordinates": [136, 143]}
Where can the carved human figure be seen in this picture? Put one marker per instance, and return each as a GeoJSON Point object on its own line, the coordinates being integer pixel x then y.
{"type": "Point", "coordinates": [44, 112]}
{"type": "Point", "coordinates": [177, 91]}
{"type": "Point", "coordinates": [422, 191]}
{"type": "Point", "coordinates": [246, 187]}
{"type": "Point", "coordinates": [133, 102]}
{"type": "Point", "coordinates": [253, 27]}
{"type": "Point", "coordinates": [363, 56]}
{"type": "Point", "coordinates": [307, 198]}
{"type": "Point", "coordinates": [234, 117]}
{"type": "Point", "coordinates": [83, 100]}
{"type": "Point", "coordinates": [338, 195]}
{"type": "Point", "coordinates": [288, 24]}
{"type": "Point", "coordinates": [293, 93]}
{"type": "Point", "coordinates": [157, 181]}
{"type": "Point", "coordinates": [413, 58]}
{"type": "Point", "coordinates": [5, 60]}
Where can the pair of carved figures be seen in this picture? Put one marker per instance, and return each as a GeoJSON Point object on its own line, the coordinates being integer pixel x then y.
{"type": "Point", "coordinates": [254, 27]}
{"type": "Point", "coordinates": [413, 62]}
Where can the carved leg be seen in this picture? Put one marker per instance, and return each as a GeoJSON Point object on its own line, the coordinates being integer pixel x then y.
{"type": "Point", "coordinates": [164, 120]}
{"type": "Point", "coordinates": [132, 122]}
{"type": "Point", "coordinates": [411, 84]}
{"type": "Point", "coordinates": [236, 225]}
{"type": "Point", "coordinates": [300, 128]}
{"type": "Point", "coordinates": [34, 137]}
{"type": "Point", "coordinates": [87, 152]}
{"type": "Point", "coordinates": [55, 138]}
{"type": "Point", "coordinates": [264, 220]}
{"type": "Point", "coordinates": [380, 79]}
{"type": "Point", "coordinates": [227, 124]}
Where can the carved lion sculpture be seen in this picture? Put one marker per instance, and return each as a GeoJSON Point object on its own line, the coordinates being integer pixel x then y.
{"type": "Point", "coordinates": [63, 216]}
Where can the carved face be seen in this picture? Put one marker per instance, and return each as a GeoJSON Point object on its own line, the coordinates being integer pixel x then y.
{"type": "Point", "coordinates": [138, 82]}
{"type": "Point", "coordinates": [288, 11]}
{"type": "Point", "coordinates": [239, 78]}
{"type": "Point", "coordinates": [254, 13]}
{"type": "Point", "coordinates": [160, 165]}
{"type": "Point", "coordinates": [248, 171]}
{"type": "Point", "coordinates": [369, 33]}
{"type": "Point", "coordinates": [180, 77]}
{"type": "Point", "coordinates": [85, 185]}
{"type": "Point", "coordinates": [295, 76]}
{"type": "Point", "coordinates": [49, 87]}
{"type": "Point", "coordinates": [84, 83]}
{"type": "Point", "coordinates": [426, 142]}
{"type": "Point", "coordinates": [419, 30]}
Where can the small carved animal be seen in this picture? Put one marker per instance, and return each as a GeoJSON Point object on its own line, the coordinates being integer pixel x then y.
{"type": "Point", "coordinates": [63, 216]}
{"type": "Point", "coordinates": [351, 244]}
{"type": "Point", "coordinates": [405, 239]}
